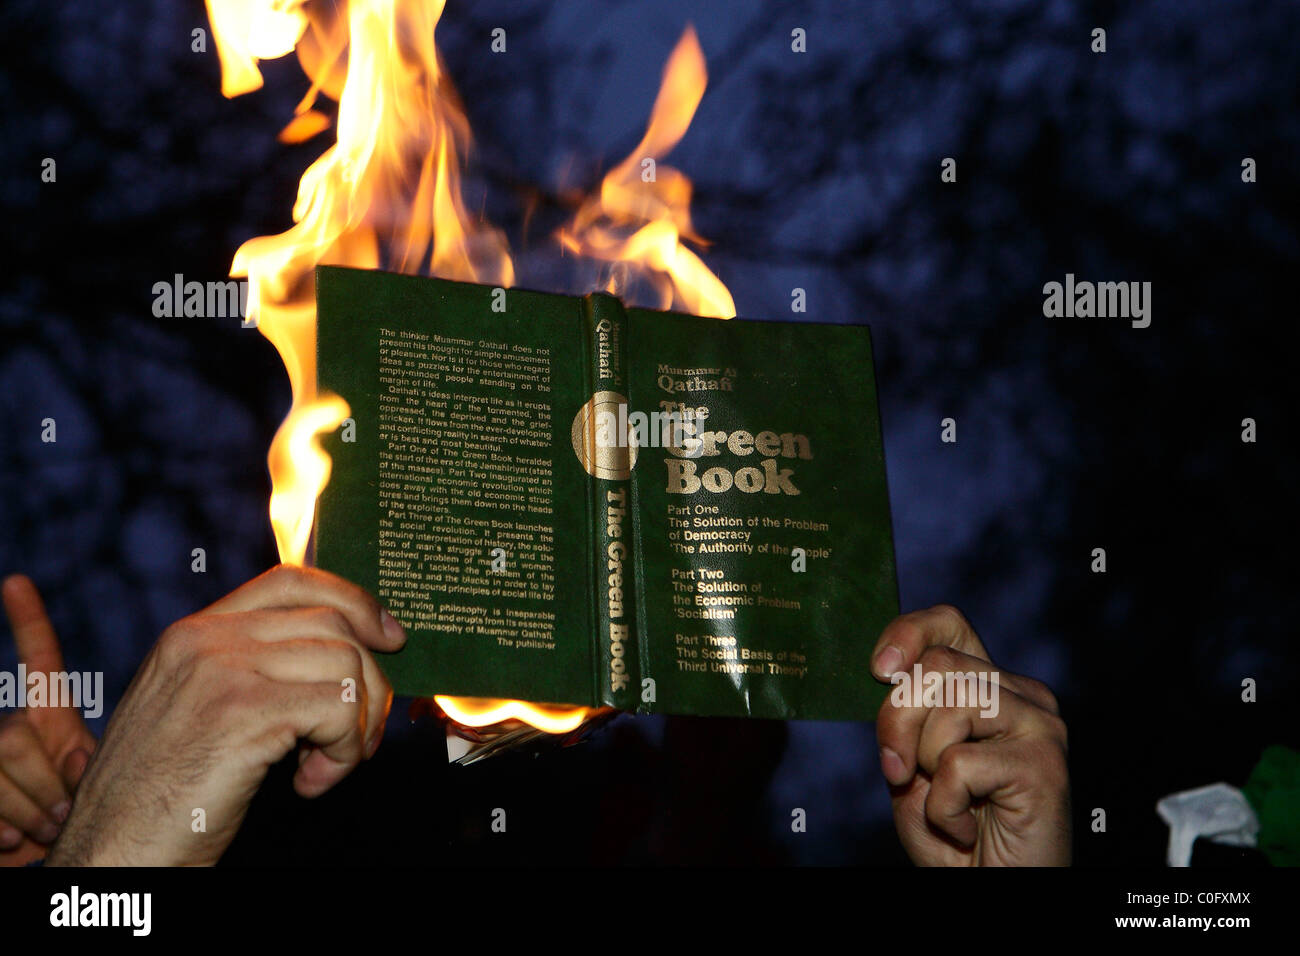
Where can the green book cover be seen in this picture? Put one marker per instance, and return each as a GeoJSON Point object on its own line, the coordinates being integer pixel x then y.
{"type": "Point", "coordinates": [564, 500]}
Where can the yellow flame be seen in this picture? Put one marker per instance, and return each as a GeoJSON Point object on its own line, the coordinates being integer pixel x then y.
{"type": "Point", "coordinates": [388, 192]}
{"type": "Point", "coordinates": [642, 211]}
{"type": "Point", "coordinates": [483, 712]}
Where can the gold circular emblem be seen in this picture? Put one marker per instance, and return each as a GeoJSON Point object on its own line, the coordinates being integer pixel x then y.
{"type": "Point", "coordinates": [595, 437]}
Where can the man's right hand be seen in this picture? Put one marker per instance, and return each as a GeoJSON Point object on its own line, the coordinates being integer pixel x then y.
{"type": "Point", "coordinates": [225, 694]}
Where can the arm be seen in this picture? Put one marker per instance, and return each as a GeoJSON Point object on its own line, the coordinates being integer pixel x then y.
{"type": "Point", "coordinates": [282, 662]}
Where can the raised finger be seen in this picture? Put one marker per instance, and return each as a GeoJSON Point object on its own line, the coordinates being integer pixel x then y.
{"type": "Point", "coordinates": [34, 637]}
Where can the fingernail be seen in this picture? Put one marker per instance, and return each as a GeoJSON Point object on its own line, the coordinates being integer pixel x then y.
{"type": "Point", "coordinates": [60, 811]}
{"type": "Point", "coordinates": [46, 833]}
{"type": "Point", "coordinates": [891, 764]}
{"type": "Point", "coordinates": [9, 838]}
{"type": "Point", "coordinates": [392, 630]}
{"type": "Point", "coordinates": [888, 661]}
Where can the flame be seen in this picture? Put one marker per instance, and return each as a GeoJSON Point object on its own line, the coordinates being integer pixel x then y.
{"type": "Point", "coordinates": [388, 192]}
{"type": "Point", "coordinates": [484, 711]}
{"type": "Point", "coordinates": [642, 212]}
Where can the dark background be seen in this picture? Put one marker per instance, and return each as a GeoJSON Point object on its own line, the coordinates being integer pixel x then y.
{"type": "Point", "coordinates": [818, 171]}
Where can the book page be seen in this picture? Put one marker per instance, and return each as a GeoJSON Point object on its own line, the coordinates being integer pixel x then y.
{"type": "Point", "coordinates": [458, 501]}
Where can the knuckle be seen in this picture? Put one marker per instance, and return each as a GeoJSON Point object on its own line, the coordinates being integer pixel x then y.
{"type": "Point", "coordinates": [1051, 770]}
{"type": "Point", "coordinates": [1040, 693]}
{"type": "Point", "coordinates": [346, 658]}
{"type": "Point", "coordinates": [288, 573]}
{"type": "Point", "coordinates": [205, 664]}
{"type": "Point", "coordinates": [279, 738]}
{"type": "Point", "coordinates": [171, 639]}
{"type": "Point", "coordinates": [228, 699]}
{"type": "Point", "coordinates": [1057, 731]}
{"type": "Point", "coordinates": [26, 820]}
{"type": "Point", "coordinates": [939, 658]}
{"type": "Point", "coordinates": [179, 641]}
{"type": "Point", "coordinates": [953, 763]}
{"type": "Point", "coordinates": [353, 662]}
{"type": "Point", "coordinates": [1053, 705]}
{"type": "Point", "coordinates": [904, 631]}
{"type": "Point", "coordinates": [287, 577]}
{"type": "Point", "coordinates": [938, 806]}
{"type": "Point", "coordinates": [888, 723]}
{"type": "Point", "coordinates": [13, 739]}
{"type": "Point", "coordinates": [334, 621]}
{"type": "Point", "coordinates": [213, 675]}
{"type": "Point", "coordinates": [369, 603]}
{"type": "Point", "coordinates": [949, 615]}
{"type": "Point", "coordinates": [381, 697]}
{"type": "Point", "coordinates": [247, 691]}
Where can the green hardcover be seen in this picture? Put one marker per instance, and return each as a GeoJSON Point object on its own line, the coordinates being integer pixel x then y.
{"type": "Point", "coordinates": [565, 500]}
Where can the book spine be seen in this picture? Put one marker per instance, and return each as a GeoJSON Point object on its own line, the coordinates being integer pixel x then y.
{"type": "Point", "coordinates": [608, 455]}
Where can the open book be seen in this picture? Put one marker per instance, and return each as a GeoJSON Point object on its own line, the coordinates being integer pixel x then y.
{"type": "Point", "coordinates": [566, 500]}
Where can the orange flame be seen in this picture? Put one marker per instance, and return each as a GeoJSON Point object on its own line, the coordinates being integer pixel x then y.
{"type": "Point", "coordinates": [388, 190]}
{"type": "Point", "coordinates": [643, 210]}
{"type": "Point", "coordinates": [484, 711]}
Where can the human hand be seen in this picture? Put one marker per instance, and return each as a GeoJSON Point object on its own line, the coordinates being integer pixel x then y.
{"type": "Point", "coordinates": [225, 694]}
{"type": "Point", "coordinates": [970, 787]}
{"type": "Point", "coordinates": [43, 750]}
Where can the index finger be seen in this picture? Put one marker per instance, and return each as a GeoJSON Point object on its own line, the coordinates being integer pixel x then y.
{"type": "Point", "coordinates": [38, 645]}
{"type": "Point", "coordinates": [906, 637]}
{"type": "Point", "coordinates": [289, 586]}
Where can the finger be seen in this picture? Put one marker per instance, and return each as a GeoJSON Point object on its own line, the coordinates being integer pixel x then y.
{"type": "Point", "coordinates": [34, 636]}
{"type": "Point", "coordinates": [1011, 718]}
{"type": "Point", "coordinates": [74, 766]}
{"type": "Point", "coordinates": [289, 586]}
{"type": "Point", "coordinates": [20, 812]}
{"type": "Point", "coordinates": [327, 649]}
{"type": "Point", "coordinates": [321, 718]}
{"type": "Point", "coordinates": [905, 638]}
{"type": "Point", "coordinates": [24, 761]}
{"type": "Point", "coordinates": [38, 648]}
{"type": "Point", "coordinates": [82, 740]}
{"type": "Point", "coordinates": [970, 687]}
{"type": "Point", "coordinates": [316, 660]}
{"type": "Point", "coordinates": [9, 838]}
{"type": "Point", "coordinates": [21, 853]}
{"type": "Point", "coordinates": [951, 657]}
{"type": "Point", "coordinates": [966, 773]}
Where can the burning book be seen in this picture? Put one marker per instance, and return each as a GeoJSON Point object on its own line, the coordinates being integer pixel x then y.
{"type": "Point", "coordinates": [387, 194]}
{"type": "Point", "coordinates": [565, 499]}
